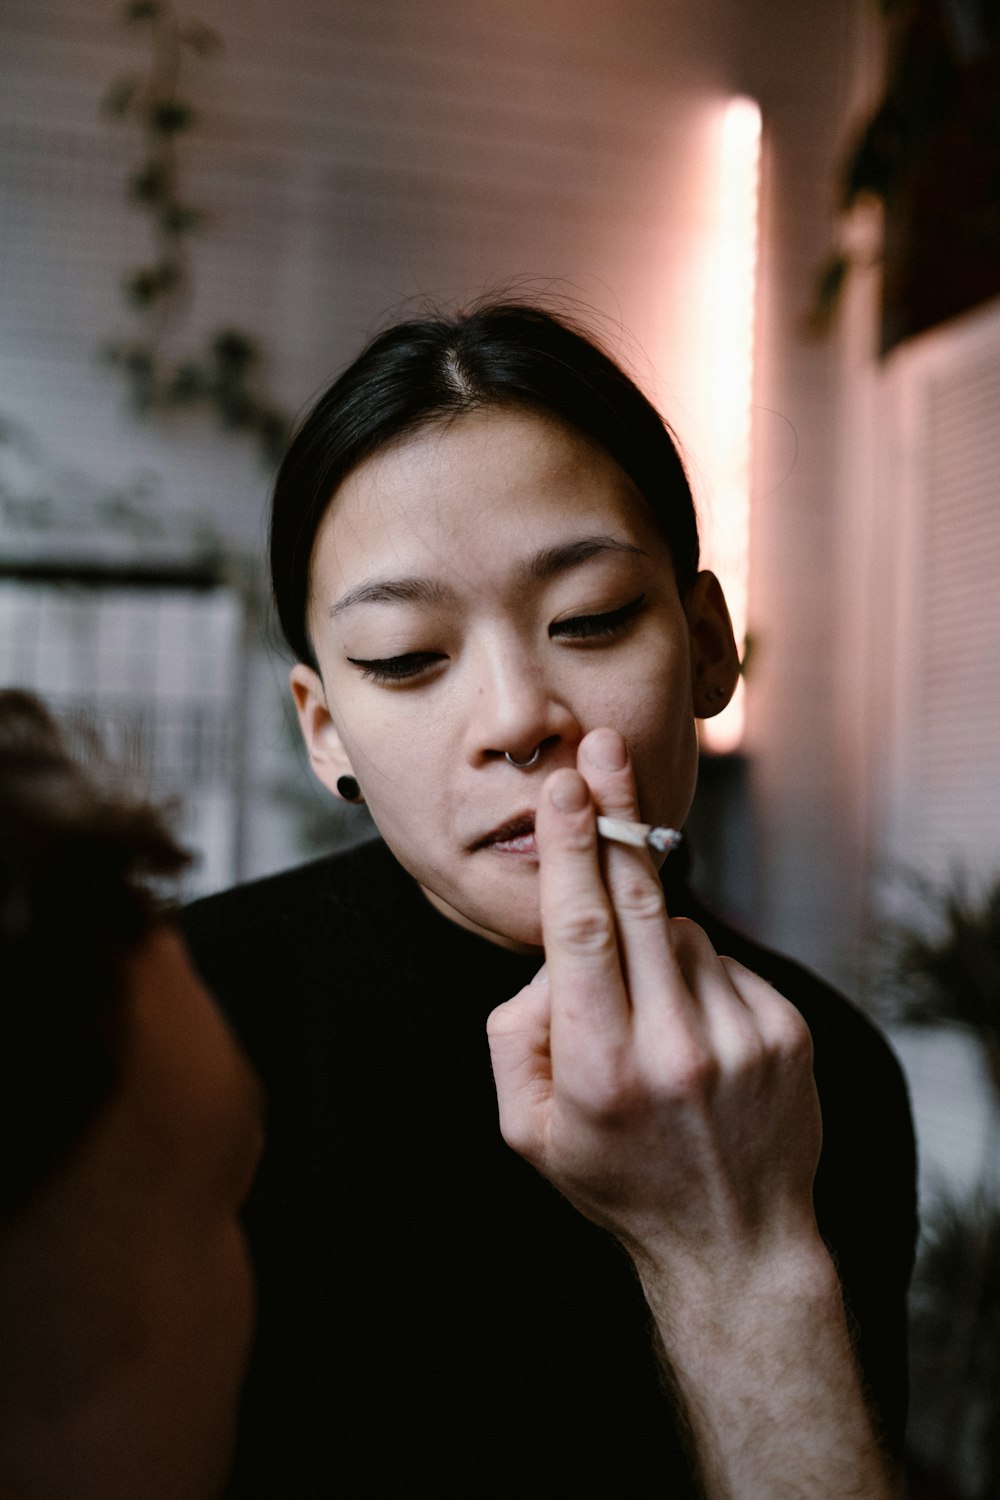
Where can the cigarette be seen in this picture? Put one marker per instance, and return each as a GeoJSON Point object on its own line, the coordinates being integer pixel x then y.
{"type": "Point", "coordinates": [639, 835]}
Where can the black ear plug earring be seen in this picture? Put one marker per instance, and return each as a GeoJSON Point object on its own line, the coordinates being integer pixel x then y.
{"type": "Point", "coordinates": [348, 788]}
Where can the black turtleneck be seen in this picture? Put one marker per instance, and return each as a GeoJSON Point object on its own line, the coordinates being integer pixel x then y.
{"type": "Point", "coordinates": [432, 1313]}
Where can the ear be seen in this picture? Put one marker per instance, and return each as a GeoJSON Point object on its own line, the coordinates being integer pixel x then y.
{"type": "Point", "coordinates": [327, 755]}
{"type": "Point", "coordinates": [715, 661]}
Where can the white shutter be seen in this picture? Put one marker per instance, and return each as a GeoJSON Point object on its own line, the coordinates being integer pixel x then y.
{"type": "Point", "coordinates": [945, 809]}
{"type": "Point", "coordinates": [155, 676]}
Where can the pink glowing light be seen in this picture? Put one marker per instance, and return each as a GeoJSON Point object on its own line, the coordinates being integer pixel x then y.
{"type": "Point", "coordinates": [729, 365]}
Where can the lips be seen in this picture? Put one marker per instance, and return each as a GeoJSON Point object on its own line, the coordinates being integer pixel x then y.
{"type": "Point", "coordinates": [517, 836]}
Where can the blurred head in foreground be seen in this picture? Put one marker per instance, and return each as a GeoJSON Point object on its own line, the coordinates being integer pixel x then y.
{"type": "Point", "coordinates": [131, 1128]}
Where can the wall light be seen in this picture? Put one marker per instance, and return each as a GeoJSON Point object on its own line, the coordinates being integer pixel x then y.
{"type": "Point", "coordinates": [729, 366]}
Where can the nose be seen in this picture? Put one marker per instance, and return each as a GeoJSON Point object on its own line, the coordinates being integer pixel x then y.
{"type": "Point", "coordinates": [516, 708]}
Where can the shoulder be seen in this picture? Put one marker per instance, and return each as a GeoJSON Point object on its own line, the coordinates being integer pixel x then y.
{"type": "Point", "coordinates": [289, 896]}
{"type": "Point", "coordinates": [285, 928]}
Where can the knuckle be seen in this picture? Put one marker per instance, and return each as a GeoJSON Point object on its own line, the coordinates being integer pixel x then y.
{"type": "Point", "coordinates": [614, 1093]}
{"type": "Point", "coordinates": [587, 930]}
{"type": "Point", "coordinates": [797, 1038]}
{"type": "Point", "coordinates": [516, 1135]}
{"type": "Point", "coordinates": [640, 898]}
{"type": "Point", "coordinates": [790, 1040]}
{"type": "Point", "coordinates": [692, 1073]}
{"type": "Point", "coordinates": [686, 935]}
{"type": "Point", "coordinates": [522, 1141]}
{"type": "Point", "coordinates": [576, 838]}
{"type": "Point", "coordinates": [500, 1022]}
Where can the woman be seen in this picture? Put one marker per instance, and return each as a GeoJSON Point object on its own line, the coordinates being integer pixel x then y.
{"type": "Point", "coordinates": [485, 559]}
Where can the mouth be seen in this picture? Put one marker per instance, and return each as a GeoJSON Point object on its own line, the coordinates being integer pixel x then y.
{"type": "Point", "coordinates": [514, 837]}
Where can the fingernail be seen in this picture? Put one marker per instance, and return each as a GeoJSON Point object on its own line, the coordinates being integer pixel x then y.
{"type": "Point", "coordinates": [568, 792]}
{"type": "Point", "coordinates": [606, 751]}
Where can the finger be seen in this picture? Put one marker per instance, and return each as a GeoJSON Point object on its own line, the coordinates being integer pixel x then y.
{"type": "Point", "coordinates": [632, 880]}
{"type": "Point", "coordinates": [778, 1022]}
{"type": "Point", "coordinates": [603, 761]}
{"type": "Point", "coordinates": [518, 1033]}
{"type": "Point", "coordinates": [581, 949]}
{"type": "Point", "coordinates": [788, 1048]}
{"type": "Point", "coordinates": [723, 1023]}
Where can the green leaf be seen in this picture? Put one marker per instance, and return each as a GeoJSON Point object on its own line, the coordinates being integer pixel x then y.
{"type": "Point", "coordinates": [233, 351]}
{"type": "Point", "coordinates": [150, 183]}
{"type": "Point", "coordinates": [142, 10]}
{"type": "Point", "coordinates": [169, 116]}
{"type": "Point", "coordinates": [749, 653]}
{"type": "Point", "coordinates": [826, 294]}
{"type": "Point", "coordinates": [877, 159]}
{"type": "Point", "coordinates": [142, 287]}
{"type": "Point", "coordinates": [145, 285]}
{"type": "Point", "coordinates": [118, 100]}
{"type": "Point", "coordinates": [272, 433]}
{"type": "Point", "coordinates": [176, 219]}
{"type": "Point", "coordinates": [945, 963]}
{"type": "Point", "coordinates": [35, 511]}
{"type": "Point", "coordinates": [139, 361]}
{"type": "Point", "coordinates": [119, 510]}
{"type": "Point", "coordinates": [201, 38]}
{"type": "Point", "coordinates": [189, 383]}
{"type": "Point", "coordinates": [235, 407]}
{"type": "Point", "coordinates": [169, 273]}
{"type": "Point", "coordinates": [110, 352]}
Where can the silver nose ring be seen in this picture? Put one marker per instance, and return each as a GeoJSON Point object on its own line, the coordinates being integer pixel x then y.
{"type": "Point", "coordinates": [522, 765]}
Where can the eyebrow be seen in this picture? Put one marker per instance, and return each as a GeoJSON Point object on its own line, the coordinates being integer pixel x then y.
{"type": "Point", "coordinates": [390, 591]}
{"type": "Point", "coordinates": [546, 564]}
{"type": "Point", "coordinates": [555, 560]}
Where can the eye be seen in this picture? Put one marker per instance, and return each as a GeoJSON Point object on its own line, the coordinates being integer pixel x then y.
{"type": "Point", "coordinates": [597, 627]}
{"type": "Point", "coordinates": [396, 668]}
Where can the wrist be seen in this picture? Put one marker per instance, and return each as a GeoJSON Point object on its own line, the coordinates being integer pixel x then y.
{"type": "Point", "coordinates": [721, 1295]}
{"type": "Point", "coordinates": [761, 1350]}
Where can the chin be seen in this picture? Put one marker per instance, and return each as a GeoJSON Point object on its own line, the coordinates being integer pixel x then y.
{"type": "Point", "coordinates": [514, 922]}
{"type": "Point", "coordinates": [511, 919]}
{"type": "Point", "coordinates": [526, 935]}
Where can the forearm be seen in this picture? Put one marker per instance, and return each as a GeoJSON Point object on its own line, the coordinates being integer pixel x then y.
{"type": "Point", "coordinates": [768, 1383]}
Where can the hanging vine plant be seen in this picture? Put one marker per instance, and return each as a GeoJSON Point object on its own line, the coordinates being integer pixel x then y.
{"type": "Point", "coordinates": [226, 376]}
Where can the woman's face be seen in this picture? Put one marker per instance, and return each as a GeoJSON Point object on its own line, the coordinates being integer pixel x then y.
{"type": "Point", "coordinates": [496, 583]}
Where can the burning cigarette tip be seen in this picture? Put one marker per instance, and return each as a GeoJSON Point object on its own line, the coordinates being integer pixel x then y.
{"type": "Point", "coordinates": [639, 835]}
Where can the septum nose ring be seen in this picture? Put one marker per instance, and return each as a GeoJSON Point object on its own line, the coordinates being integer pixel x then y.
{"type": "Point", "coordinates": [522, 765]}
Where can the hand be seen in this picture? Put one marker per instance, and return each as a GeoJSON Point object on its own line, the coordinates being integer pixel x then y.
{"type": "Point", "coordinates": [667, 1092]}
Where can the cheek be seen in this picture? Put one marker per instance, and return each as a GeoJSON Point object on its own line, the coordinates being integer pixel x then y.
{"type": "Point", "coordinates": [386, 735]}
{"type": "Point", "coordinates": [408, 795]}
{"type": "Point", "coordinates": [663, 742]}
{"type": "Point", "coordinates": [401, 750]}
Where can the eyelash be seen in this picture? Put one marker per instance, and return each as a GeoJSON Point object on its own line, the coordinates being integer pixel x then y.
{"type": "Point", "coordinates": [390, 669]}
{"type": "Point", "coordinates": [598, 627]}
{"type": "Point", "coordinates": [396, 668]}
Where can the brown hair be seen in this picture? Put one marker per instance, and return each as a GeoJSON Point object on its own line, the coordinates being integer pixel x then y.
{"type": "Point", "coordinates": [76, 858]}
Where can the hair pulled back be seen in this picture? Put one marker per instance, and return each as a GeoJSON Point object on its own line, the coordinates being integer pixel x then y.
{"type": "Point", "coordinates": [426, 370]}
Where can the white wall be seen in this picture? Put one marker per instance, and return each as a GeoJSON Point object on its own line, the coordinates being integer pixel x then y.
{"type": "Point", "coordinates": [354, 155]}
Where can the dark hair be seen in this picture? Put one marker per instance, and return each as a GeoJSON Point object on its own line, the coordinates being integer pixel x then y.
{"type": "Point", "coordinates": [417, 372]}
{"type": "Point", "coordinates": [74, 856]}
